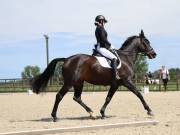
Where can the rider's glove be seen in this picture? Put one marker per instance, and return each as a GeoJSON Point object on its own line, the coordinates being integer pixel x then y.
{"type": "Point", "coordinates": [111, 48]}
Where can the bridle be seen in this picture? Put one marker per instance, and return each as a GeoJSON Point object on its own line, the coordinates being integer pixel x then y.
{"type": "Point", "coordinates": [147, 51]}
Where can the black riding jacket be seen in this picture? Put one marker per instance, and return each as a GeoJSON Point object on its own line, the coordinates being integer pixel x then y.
{"type": "Point", "coordinates": [101, 37]}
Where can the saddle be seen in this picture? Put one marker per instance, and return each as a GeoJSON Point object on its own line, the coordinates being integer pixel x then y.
{"type": "Point", "coordinates": [103, 60]}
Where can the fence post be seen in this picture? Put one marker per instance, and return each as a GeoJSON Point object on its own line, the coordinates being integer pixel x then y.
{"type": "Point", "coordinates": [177, 83]}
{"type": "Point", "coordinates": [22, 85]}
{"type": "Point", "coordinates": [160, 84]}
{"type": "Point", "coordinates": [14, 85]}
{"type": "Point", "coordinates": [5, 84]}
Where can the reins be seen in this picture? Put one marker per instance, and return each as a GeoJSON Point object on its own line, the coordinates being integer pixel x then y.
{"type": "Point", "coordinates": [129, 53]}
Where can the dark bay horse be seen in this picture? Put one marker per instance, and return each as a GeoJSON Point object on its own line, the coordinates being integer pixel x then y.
{"type": "Point", "coordinates": [79, 68]}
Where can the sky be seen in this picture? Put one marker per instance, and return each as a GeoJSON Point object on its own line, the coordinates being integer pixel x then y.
{"type": "Point", "coordinates": [70, 27]}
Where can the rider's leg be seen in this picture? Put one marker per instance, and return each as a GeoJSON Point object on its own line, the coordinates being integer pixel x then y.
{"type": "Point", "coordinates": [114, 67]}
{"type": "Point", "coordinates": [106, 53]}
{"type": "Point", "coordinates": [111, 56]}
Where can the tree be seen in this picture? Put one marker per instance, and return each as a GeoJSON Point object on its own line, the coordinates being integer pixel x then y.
{"type": "Point", "coordinates": [58, 72]}
{"type": "Point", "coordinates": [174, 73]}
{"type": "Point", "coordinates": [156, 73]}
{"type": "Point", "coordinates": [30, 72]}
{"type": "Point", "coordinates": [140, 67]}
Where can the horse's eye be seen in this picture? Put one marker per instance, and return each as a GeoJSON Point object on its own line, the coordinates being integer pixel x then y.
{"type": "Point", "coordinates": [146, 41]}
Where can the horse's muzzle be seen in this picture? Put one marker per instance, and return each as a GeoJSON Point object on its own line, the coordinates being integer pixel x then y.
{"type": "Point", "coordinates": [152, 54]}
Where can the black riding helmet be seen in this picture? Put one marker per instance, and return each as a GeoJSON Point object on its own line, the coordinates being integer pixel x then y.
{"type": "Point", "coordinates": [99, 18]}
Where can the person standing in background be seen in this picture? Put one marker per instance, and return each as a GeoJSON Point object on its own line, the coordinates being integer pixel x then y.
{"type": "Point", "coordinates": [164, 75]}
{"type": "Point", "coordinates": [150, 76]}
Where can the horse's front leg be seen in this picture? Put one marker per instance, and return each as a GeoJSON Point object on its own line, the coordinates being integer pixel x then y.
{"type": "Point", "coordinates": [128, 83]}
{"type": "Point", "coordinates": [110, 94]}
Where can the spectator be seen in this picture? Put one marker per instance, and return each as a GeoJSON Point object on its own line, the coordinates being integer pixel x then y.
{"type": "Point", "coordinates": [164, 75]}
{"type": "Point", "coordinates": [146, 78]}
{"type": "Point", "coordinates": [150, 77]}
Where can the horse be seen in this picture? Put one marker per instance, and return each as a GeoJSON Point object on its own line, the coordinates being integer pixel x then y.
{"type": "Point", "coordinates": [82, 67]}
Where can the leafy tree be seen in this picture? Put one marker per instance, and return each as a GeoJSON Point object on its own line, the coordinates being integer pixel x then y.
{"type": "Point", "coordinates": [30, 72]}
{"type": "Point", "coordinates": [174, 73]}
{"type": "Point", "coordinates": [58, 72]}
{"type": "Point", "coordinates": [156, 74]}
{"type": "Point", "coordinates": [140, 67]}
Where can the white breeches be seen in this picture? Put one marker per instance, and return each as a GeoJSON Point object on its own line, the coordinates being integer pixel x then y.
{"type": "Point", "coordinates": [106, 53]}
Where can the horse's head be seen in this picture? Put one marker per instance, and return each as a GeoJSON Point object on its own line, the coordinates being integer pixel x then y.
{"type": "Point", "coordinates": [145, 47]}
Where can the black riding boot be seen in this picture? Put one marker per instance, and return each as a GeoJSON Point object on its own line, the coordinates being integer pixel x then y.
{"type": "Point", "coordinates": [114, 67]}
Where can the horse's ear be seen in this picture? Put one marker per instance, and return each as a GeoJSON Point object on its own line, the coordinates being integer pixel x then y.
{"type": "Point", "coordinates": [141, 34]}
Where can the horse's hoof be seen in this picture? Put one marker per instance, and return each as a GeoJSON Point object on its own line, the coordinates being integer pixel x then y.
{"type": "Point", "coordinates": [92, 116]}
{"type": "Point", "coordinates": [150, 113]}
{"type": "Point", "coordinates": [54, 119]}
{"type": "Point", "coordinates": [103, 117]}
{"type": "Point", "coordinates": [102, 114]}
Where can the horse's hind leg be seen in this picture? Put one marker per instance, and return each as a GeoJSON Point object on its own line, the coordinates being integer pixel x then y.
{"type": "Point", "coordinates": [59, 97]}
{"type": "Point", "coordinates": [77, 97]}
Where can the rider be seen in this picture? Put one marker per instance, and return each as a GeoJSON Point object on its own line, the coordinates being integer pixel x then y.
{"type": "Point", "coordinates": [103, 45]}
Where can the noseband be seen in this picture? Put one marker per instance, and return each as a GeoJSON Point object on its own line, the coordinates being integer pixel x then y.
{"type": "Point", "coordinates": [148, 51]}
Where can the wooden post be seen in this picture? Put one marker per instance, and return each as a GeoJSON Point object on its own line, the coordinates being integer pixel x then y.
{"type": "Point", "coordinates": [13, 84]}
{"type": "Point", "coordinates": [177, 82]}
{"type": "Point", "coordinates": [47, 49]}
{"type": "Point", "coordinates": [160, 84]}
{"type": "Point", "coordinates": [47, 52]}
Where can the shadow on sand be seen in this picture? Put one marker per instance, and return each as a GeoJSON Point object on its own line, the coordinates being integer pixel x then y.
{"type": "Point", "coordinates": [70, 118]}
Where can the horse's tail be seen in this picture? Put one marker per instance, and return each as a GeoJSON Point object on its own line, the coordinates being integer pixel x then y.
{"type": "Point", "coordinates": [40, 82]}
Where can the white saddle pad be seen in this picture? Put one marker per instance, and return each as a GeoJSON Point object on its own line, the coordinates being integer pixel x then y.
{"type": "Point", "coordinates": [103, 62]}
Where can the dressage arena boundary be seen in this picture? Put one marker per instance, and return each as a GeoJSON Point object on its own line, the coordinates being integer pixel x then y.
{"type": "Point", "coordinates": [82, 128]}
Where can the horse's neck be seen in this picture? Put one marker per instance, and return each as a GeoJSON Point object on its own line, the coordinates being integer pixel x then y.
{"type": "Point", "coordinates": [130, 53]}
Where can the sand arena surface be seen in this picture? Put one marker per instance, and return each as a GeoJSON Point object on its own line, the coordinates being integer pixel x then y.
{"type": "Point", "coordinates": [20, 111]}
